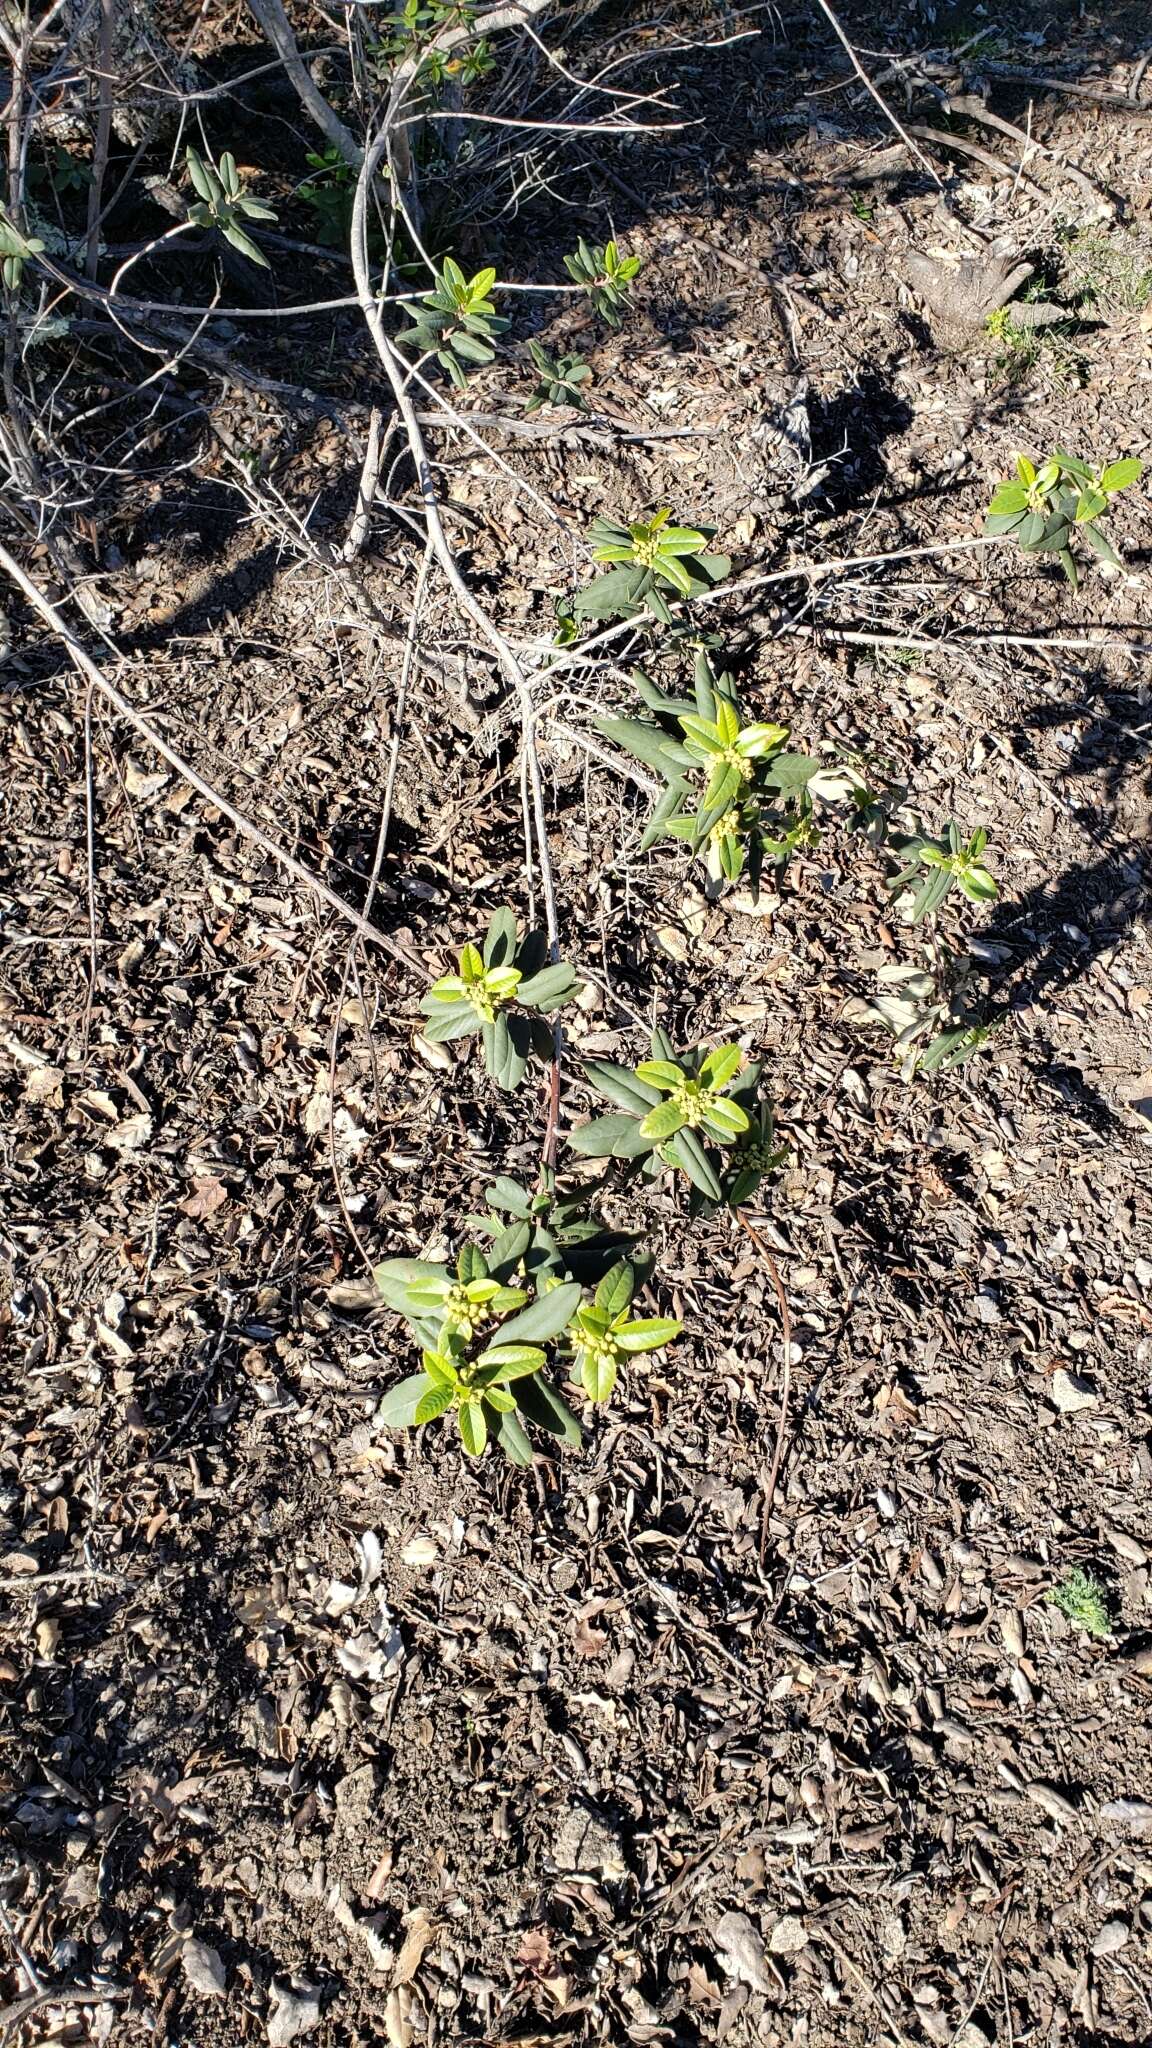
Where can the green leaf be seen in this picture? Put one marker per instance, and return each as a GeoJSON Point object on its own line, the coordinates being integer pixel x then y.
{"type": "Point", "coordinates": [542, 1405]}
{"type": "Point", "coordinates": [721, 1065]}
{"type": "Point", "coordinates": [394, 1278]}
{"type": "Point", "coordinates": [686, 1152]}
{"type": "Point", "coordinates": [397, 1409]}
{"type": "Point", "coordinates": [597, 1374]}
{"type": "Point", "coordinates": [726, 1119]}
{"type": "Point", "coordinates": [662, 1122]}
{"type": "Point", "coordinates": [245, 244]}
{"type": "Point", "coordinates": [550, 988]}
{"type": "Point", "coordinates": [508, 1248]}
{"type": "Point", "coordinates": [1010, 497]}
{"type": "Point", "coordinates": [1119, 475]}
{"type": "Point", "coordinates": [998, 523]}
{"type": "Point", "coordinates": [622, 1086]}
{"type": "Point", "coordinates": [458, 1021]}
{"type": "Point", "coordinates": [500, 939]}
{"type": "Point", "coordinates": [507, 1194]}
{"type": "Point", "coordinates": [609, 1137]}
{"type": "Point", "coordinates": [617, 595]}
{"type": "Point", "coordinates": [649, 744]}
{"type": "Point", "coordinates": [512, 1438]}
{"type": "Point", "coordinates": [1099, 544]}
{"type": "Point", "coordinates": [432, 1404]}
{"type": "Point", "coordinates": [616, 1288]}
{"type": "Point", "coordinates": [473, 1427]}
{"type": "Point", "coordinates": [660, 1074]}
{"type": "Point", "coordinates": [932, 892]}
{"type": "Point", "coordinates": [509, 1362]}
{"type": "Point", "coordinates": [789, 773]}
{"type": "Point", "coordinates": [544, 1318]}
{"type": "Point", "coordinates": [651, 1333]}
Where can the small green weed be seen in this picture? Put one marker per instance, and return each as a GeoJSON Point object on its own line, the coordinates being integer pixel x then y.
{"type": "Point", "coordinates": [606, 276]}
{"type": "Point", "coordinates": [492, 987]}
{"type": "Point", "coordinates": [1083, 1600]}
{"type": "Point", "coordinates": [223, 203]}
{"type": "Point", "coordinates": [458, 322]}
{"type": "Point", "coordinates": [1045, 509]}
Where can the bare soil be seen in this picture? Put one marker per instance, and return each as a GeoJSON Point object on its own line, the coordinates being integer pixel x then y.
{"type": "Point", "coordinates": [307, 1724]}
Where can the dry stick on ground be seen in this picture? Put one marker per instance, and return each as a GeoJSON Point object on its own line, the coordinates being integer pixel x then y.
{"type": "Point", "coordinates": [878, 96]}
{"type": "Point", "coordinates": [396, 369]}
{"type": "Point", "coordinates": [249, 829]}
{"type": "Point", "coordinates": [785, 1377]}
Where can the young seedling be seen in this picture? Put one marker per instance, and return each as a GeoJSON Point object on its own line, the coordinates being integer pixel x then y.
{"type": "Point", "coordinates": [655, 559]}
{"type": "Point", "coordinates": [606, 276]}
{"type": "Point", "coordinates": [731, 791]}
{"type": "Point", "coordinates": [483, 1350]}
{"type": "Point", "coordinates": [1044, 509]}
{"type": "Point", "coordinates": [603, 1335]}
{"type": "Point", "coordinates": [223, 203]}
{"type": "Point", "coordinates": [494, 985]}
{"type": "Point", "coordinates": [698, 1113]}
{"type": "Point", "coordinates": [944, 863]}
{"type": "Point", "coordinates": [560, 378]}
{"type": "Point", "coordinates": [458, 322]}
{"type": "Point", "coordinates": [1083, 1600]}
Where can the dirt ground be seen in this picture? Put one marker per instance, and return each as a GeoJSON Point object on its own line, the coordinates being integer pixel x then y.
{"type": "Point", "coordinates": [313, 1731]}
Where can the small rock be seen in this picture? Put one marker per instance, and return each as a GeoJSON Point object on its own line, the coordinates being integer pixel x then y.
{"type": "Point", "coordinates": [584, 1843]}
{"type": "Point", "coordinates": [203, 1968]}
{"type": "Point", "coordinates": [788, 1936]}
{"type": "Point", "coordinates": [1071, 1393]}
{"type": "Point", "coordinates": [1051, 1801]}
{"type": "Point", "coordinates": [1124, 1545]}
{"type": "Point", "coordinates": [971, 2036]}
{"type": "Point", "coordinates": [741, 1951]}
{"type": "Point", "coordinates": [295, 2011]}
{"type": "Point", "coordinates": [1133, 1814]}
{"type": "Point", "coordinates": [1112, 1936]}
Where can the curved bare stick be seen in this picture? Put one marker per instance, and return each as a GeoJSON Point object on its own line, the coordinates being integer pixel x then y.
{"type": "Point", "coordinates": [94, 675]}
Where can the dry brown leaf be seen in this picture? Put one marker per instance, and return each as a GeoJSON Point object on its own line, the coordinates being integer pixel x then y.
{"type": "Point", "coordinates": [207, 1196]}
{"type": "Point", "coordinates": [419, 1930]}
{"type": "Point", "coordinates": [589, 1641]}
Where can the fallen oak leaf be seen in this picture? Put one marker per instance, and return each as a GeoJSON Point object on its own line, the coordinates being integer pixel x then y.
{"type": "Point", "coordinates": [207, 1196]}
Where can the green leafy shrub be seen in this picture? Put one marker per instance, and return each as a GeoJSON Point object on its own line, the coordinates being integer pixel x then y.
{"type": "Point", "coordinates": [731, 791]}
{"type": "Point", "coordinates": [492, 987]}
{"type": "Point", "coordinates": [606, 276]}
{"type": "Point", "coordinates": [223, 203]}
{"type": "Point", "coordinates": [1044, 509]}
{"type": "Point", "coordinates": [603, 1334]}
{"type": "Point", "coordinates": [560, 378]}
{"type": "Point", "coordinates": [698, 1112]}
{"type": "Point", "coordinates": [458, 322]}
{"type": "Point", "coordinates": [655, 558]}
{"type": "Point", "coordinates": [485, 1345]}
{"type": "Point", "coordinates": [945, 863]}
{"type": "Point", "coordinates": [483, 1350]}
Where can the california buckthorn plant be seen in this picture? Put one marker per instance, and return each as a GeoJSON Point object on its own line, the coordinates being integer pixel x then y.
{"type": "Point", "coordinates": [502, 989]}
